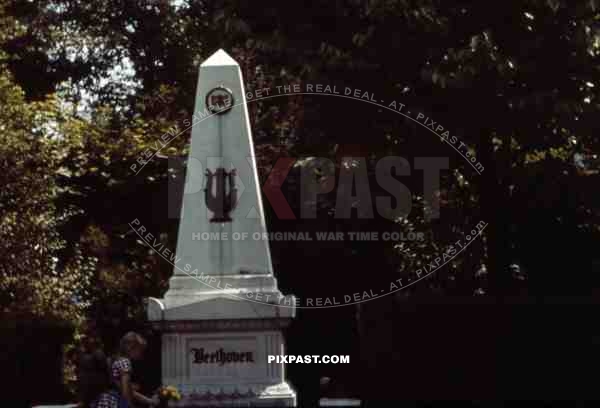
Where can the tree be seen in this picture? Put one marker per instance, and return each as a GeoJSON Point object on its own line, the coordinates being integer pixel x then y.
{"type": "Point", "coordinates": [34, 283]}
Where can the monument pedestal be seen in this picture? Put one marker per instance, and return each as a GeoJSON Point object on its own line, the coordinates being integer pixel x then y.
{"type": "Point", "coordinates": [215, 351]}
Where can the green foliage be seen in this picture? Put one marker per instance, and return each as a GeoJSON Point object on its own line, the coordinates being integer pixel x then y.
{"type": "Point", "coordinates": [34, 283]}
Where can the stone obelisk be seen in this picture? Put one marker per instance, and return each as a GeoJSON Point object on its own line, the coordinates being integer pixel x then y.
{"type": "Point", "coordinates": [223, 314]}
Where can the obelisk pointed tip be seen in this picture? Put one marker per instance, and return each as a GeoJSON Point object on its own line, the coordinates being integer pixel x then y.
{"type": "Point", "coordinates": [219, 59]}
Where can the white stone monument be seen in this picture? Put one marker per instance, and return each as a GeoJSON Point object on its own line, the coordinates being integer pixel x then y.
{"type": "Point", "coordinates": [223, 314]}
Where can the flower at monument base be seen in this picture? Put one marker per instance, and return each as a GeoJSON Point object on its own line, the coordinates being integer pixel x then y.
{"type": "Point", "coordinates": [169, 393]}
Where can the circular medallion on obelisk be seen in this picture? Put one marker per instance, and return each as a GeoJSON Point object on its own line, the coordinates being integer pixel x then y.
{"type": "Point", "coordinates": [219, 100]}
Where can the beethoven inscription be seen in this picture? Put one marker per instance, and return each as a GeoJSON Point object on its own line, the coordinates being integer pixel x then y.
{"type": "Point", "coordinates": [221, 356]}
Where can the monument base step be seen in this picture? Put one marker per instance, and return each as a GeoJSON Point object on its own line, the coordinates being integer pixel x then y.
{"type": "Point", "coordinates": [275, 395]}
{"type": "Point", "coordinates": [221, 283]}
{"type": "Point", "coordinates": [220, 306]}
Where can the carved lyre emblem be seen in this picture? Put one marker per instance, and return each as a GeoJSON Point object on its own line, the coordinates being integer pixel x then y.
{"type": "Point", "coordinates": [218, 200]}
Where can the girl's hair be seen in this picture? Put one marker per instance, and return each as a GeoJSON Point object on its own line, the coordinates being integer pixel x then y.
{"type": "Point", "coordinates": [94, 377]}
{"type": "Point", "coordinates": [129, 341]}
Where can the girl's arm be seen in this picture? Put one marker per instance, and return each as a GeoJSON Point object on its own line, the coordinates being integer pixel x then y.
{"type": "Point", "coordinates": [132, 395]}
{"type": "Point", "coordinates": [143, 399]}
{"type": "Point", "coordinates": [126, 389]}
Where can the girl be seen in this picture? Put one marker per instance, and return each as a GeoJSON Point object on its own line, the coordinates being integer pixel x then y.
{"type": "Point", "coordinates": [131, 347]}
